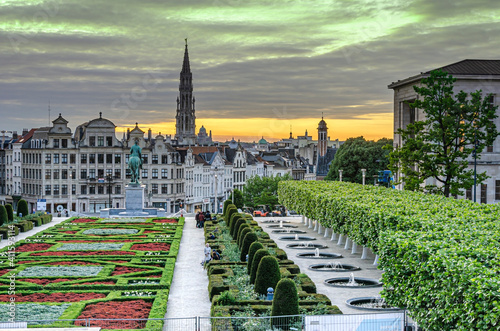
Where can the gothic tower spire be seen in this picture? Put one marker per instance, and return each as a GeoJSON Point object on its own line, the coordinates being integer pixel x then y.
{"type": "Point", "coordinates": [185, 117]}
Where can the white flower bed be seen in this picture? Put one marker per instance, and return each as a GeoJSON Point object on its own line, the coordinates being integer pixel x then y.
{"type": "Point", "coordinates": [101, 232]}
{"type": "Point", "coordinates": [60, 271]}
{"type": "Point", "coordinates": [91, 247]}
{"type": "Point", "coordinates": [34, 312]}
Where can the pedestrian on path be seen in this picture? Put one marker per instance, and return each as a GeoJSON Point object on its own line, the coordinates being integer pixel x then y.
{"type": "Point", "coordinates": [197, 218]}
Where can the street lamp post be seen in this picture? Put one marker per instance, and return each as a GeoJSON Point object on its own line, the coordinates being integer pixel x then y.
{"type": "Point", "coordinates": [363, 171]}
{"type": "Point", "coordinates": [475, 165]}
{"type": "Point", "coordinates": [109, 178]}
{"type": "Point", "coordinates": [340, 174]}
{"type": "Point", "coordinates": [216, 198]}
{"type": "Point", "coordinates": [70, 188]}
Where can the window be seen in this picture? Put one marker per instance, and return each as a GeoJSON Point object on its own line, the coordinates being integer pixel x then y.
{"type": "Point", "coordinates": [127, 173]}
{"type": "Point", "coordinates": [144, 173]}
{"type": "Point", "coordinates": [164, 173]}
{"type": "Point", "coordinates": [73, 174]}
{"type": "Point", "coordinates": [109, 172]}
{"type": "Point", "coordinates": [154, 159]}
{"type": "Point", "coordinates": [92, 189]}
{"type": "Point", "coordinates": [83, 158]}
{"type": "Point", "coordinates": [64, 143]}
{"type": "Point", "coordinates": [56, 189]}
{"type": "Point", "coordinates": [497, 189]}
{"type": "Point", "coordinates": [48, 159]}
{"type": "Point", "coordinates": [100, 158]}
{"type": "Point", "coordinates": [64, 174]}
{"type": "Point", "coordinates": [144, 158]}
{"type": "Point", "coordinates": [72, 158]}
{"type": "Point", "coordinates": [164, 188]}
{"type": "Point", "coordinates": [100, 141]}
{"type": "Point", "coordinates": [73, 188]}
{"type": "Point", "coordinates": [92, 173]}
{"type": "Point", "coordinates": [118, 158]}
{"type": "Point", "coordinates": [91, 158]}
{"type": "Point", "coordinates": [83, 189]}
{"type": "Point", "coordinates": [83, 174]}
{"type": "Point", "coordinates": [64, 158]}
{"type": "Point", "coordinates": [484, 188]}
{"type": "Point", "coordinates": [127, 157]}
{"type": "Point", "coordinates": [56, 158]}
{"type": "Point", "coordinates": [47, 173]}
{"type": "Point", "coordinates": [64, 189]}
{"type": "Point", "coordinates": [100, 189]}
{"type": "Point", "coordinates": [154, 173]}
{"type": "Point", "coordinates": [56, 174]}
{"type": "Point", "coordinates": [118, 173]}
{"type": "Point", "coordinates": [100, 173]}
{"type": "Point", "coordinates": [109, 158]}
{"type": "Point", "coordinates": [109, 141]}
{"type": "Point", "coordinates": [48, 190]}
{"type": "Point", "coordinates": [164, 159]}
{"type": "Point", "coordinates": [56, 143]}
{"type": "Point", "coordinates": [489, 149]}
{"type": "Point", "coordinates": [154, 188]}
{"type": "Point", "coordinates": [92, 141]}
{"type": "Point", "coordinates": [118, 189]}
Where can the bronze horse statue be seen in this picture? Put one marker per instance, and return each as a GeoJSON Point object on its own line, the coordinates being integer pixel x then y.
{"type": "Point", "coordinates": [135, 163]}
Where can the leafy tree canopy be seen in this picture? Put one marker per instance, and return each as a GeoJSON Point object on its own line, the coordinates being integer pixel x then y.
{"type": "Point", "coordinates": [237, 197]}
{"type": "Point", "coordinates": [262, 190]}
{"type": "Point", "coordinates": [356, 154]}
{"type": "Point", "coordinates": [436, 151]}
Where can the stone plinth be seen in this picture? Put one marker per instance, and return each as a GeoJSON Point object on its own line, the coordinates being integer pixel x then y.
{"type": "Point", "coordinates": [134, 197]}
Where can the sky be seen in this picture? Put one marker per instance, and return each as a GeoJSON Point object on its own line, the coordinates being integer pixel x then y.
{"type": "Point", "coordinates": [260, 68]}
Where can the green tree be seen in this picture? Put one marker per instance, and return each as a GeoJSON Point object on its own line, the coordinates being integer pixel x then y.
{"type": "Point", "coordinates": [285, 300]}
{"type": "Point", "coordinates": [237, 197]}
{"type": "Point", "coordinates": [262, 190]}
{"type": "Point", "coordinates": [356, 154]}
{"type": "Point", "coordinates": [22, 208]}
{"type": "Point", "coordinates": [268, 274]}
{"type": "Point", "coordinates": [440, 146]}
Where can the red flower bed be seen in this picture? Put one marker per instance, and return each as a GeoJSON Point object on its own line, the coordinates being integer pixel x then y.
{"type": "Point", "coordinates": [42, 281]}
{"type": "Point", "coordinates": [120, 270]}
{"type": "Point", "coordinates": [166, 221]}
{"type": "Point", "coordinates": [23, 262]}
{"type": "Point", "coordinates": [151, 247]}
{"type": "Point", "coordinates": [69, 232]}
{"type": "Point", "coordinates": [96, 283]}
{"type": "Point", "coordinates": [83, 220]}
{"type": "Point", "coordinates": [53, 297]}
{"type": "Point", "coordinates": [4, 271]}
{"type": "Point", "coordinates": [82, 253]}
{"type": "Point", "coordinates": [133, 309]}
{"type": "Point", "coordinates": [33, 247]}
{"type": "Point", "coordinates": [72, 263]}
{"type": "Point", "coordinates": [101, 241]}
{"type": "Point", "coordinates": [152, 231]}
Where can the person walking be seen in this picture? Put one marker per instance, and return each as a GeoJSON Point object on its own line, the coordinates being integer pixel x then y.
{"type": "Point", "coordinates": [206, 251]}
{"type": "Point", "coordinates": [197, 218]}
{"type": "Point", "coordinates": [201, 218]}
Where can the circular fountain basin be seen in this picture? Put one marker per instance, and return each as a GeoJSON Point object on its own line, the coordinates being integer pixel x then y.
{"type": "Point", "coordinates": [306, 246]}
{"type": "Point", "coordinates": [296, 237]}
{"type": "Point", "coordinates": [370, 303]}
{"type": "Point", "coordinates": [359, 282]}
{"type": "Point", "coordinates": [288, 231]}
{"type": "Point", "coordinates": [313, 255]}
{"type": "Point", "coordinates": [333, 267]}
{"type": "Point", "coordinates": [275, 221]}
{"type": "Point", "coordinates": [277, 226]}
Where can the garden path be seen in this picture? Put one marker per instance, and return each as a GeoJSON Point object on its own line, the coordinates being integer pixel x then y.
{"type": "Point", "coordinates": [188, 295]}
{"type": "Point", "coordinates": [24, 235]}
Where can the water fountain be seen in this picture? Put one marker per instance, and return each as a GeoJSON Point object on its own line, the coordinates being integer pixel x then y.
{"type": "Point", "coordinates": [370, 303]}
{"type": "Point", "coordinates": [288, 230]}
{"type": "Point", "coordinates": [333, 266]}
{"type": "Point", "coordinates": [319, 255]}
{"type": "Point", "coordinates": [296, 238]}
{"type": "Point", "coordinates": [276, 221]}
{"type": "Point", "coordinates": [306, 245]}
{"type": "Point", "coordinates": [353, 282]}
{"type": "Point", "coordinates": [281, 226]}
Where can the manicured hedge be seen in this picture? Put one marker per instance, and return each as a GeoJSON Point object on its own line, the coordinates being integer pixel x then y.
{"type": "Point", "coordinates": [22, 208]}
{"type": "Point", "coordinates": [268, 274]}
{"type": "Point", "coordinates": [439, 255]}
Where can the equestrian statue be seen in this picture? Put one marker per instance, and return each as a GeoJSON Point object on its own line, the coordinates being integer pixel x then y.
{"type": "Point", "coordinates": [135, 163]}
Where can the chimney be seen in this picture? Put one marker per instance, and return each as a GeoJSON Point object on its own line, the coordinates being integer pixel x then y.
{"type": "Point", "coordinates": [128, 134]}
{"type": "Point", "coordinates": [14, 135]}
{"type": "Point", "coordinates": [25, 132]}
{"type": "Point", "coordinates": [150, 135]}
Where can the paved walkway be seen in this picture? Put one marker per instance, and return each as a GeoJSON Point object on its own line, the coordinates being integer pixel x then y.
{"type": "Point", "coordinates": [24, 235]}
{"type": "Point", "coordinates": [188, 295]}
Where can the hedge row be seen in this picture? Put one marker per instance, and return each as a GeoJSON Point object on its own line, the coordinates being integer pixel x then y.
{"type": "Point", "coordinates": [440, 255]}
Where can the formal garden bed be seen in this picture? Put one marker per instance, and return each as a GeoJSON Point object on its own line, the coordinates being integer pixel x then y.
{"type": "Point", "coordinates": [83, 267]}
{"type": "Point", "coordinates": [238, 287]}
{"type": "Point", "coordinates": [439, 255]}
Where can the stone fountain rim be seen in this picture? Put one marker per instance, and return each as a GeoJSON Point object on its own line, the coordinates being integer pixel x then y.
{"type": "Point", "coordinates": [274, 226]}
{"type": "Point", "coordinates": [355, 268]}
{"type": "Point", "coordinates": [319, 246]}
{"type": "Point", "coordinates": [293, 238]}
{"type": "Point", "coordinates": [278, 231]}
{"type": "Point", "coordinates": [348, 302]}
{"type": "Point", "coordinates": [335, 256]}
{"type": "Point", "coordinates": [361, 279]}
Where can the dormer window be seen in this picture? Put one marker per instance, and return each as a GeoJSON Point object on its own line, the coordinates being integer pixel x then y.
{"type": "Point", "coordinates": [56, 143]}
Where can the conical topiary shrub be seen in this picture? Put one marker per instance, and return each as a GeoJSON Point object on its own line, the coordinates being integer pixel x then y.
{"type": "Point", "coordinates": [10, 212]}
{"type": "Point", "coordinates": [254, 247]}
{"type": "Point", "coordinates": [247, 241]}
{"type": "Point", "coordinates": [232, 221]}
{"type": "Point", "coordinates": [3, 215]}
{"type": "Point", "coordinates": [244, 229]}
{"type": "Point", "coordinates": [255, 263]}
{"type": "Point", "coordinates": [22, 208]}
{"type": "Point", "coordinates": [268, 274]}
{"type": "Point", "coordinates": [231, 209]}
{"type": "Point", "coordinates": [285, 302]}
{"type": "Point", "coordinates": [224, 208]}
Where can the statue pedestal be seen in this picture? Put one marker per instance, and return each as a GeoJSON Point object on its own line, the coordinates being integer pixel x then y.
{"type": "Point", "coordinates": [134, 197]}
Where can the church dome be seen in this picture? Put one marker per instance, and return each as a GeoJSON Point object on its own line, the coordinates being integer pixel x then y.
{"type": "Point", "coordinates": [233, 144]}
{"type": "Point", "coordinates": [322, 125]}
{"type": "Point", "coordinates": [203, 130]}
{"type": "Point", "coordinates": [262, 141]}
